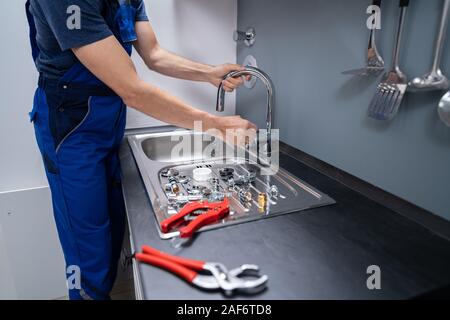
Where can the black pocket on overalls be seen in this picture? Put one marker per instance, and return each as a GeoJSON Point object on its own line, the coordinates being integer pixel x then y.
{"type": "Point", "coordinates": [50, 166]}
{"type": "Point", "coordinates": [66, 115]}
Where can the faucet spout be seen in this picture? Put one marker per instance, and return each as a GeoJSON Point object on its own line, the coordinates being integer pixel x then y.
{"type": "Point", "coordinates": [261, 75]}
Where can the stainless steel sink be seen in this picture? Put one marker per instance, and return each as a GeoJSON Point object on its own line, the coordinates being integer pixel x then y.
{"type": "Point", "coordinates": [162, 147]}
{"type": "Point", "coordinates": [156, 153]}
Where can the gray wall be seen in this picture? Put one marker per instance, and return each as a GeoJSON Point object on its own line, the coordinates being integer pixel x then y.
{"type": "Point", "coordinates": [304, 45]}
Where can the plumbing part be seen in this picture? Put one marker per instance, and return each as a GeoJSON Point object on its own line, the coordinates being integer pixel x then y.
{"type": "Point", "coordinates": [183, 179]}
{"type": "Point", "coordinates": [202, 174]}
{"type": "Point", "coordinates": [245, 195]}
{"type": "Point", "coordinates": [194, 192]}
{"type": "Point", "coordinates": [175, 187]}
{"type": "Point", "coordinates": [247, 178]}
{"type": "Point", "coordinates": [230, 182]}
{"type": "Point", "coordinates": [171, 209]}
{"type": "Point", "coordinates": [375, 63]}
{"type": "Point", "coordinates": [206, 192]}
{"type": "Point", "coordinates": [435, 80]}
{"type": "Point", "coordinates": [251, 175]}
{"type": "Point", "coordinates": [215, 184]}
{"type": "Point", "coordinates": [226, 172]}
{"type": "Point", "coordinates": [170, 173]}
{"type": "Point", "coordinates": [248, 36]}
{"type": "Point", "coordinates": [175, 199]}
{"type": "Point", "coordinates": [254, 72]}
{"type": "Point", "coordinates": [173, 179]}
{"type": "Point", "coordinates": [240, 180]}
{"type": "Point", "coordinates": [273, 191]}
{"type": "Point", "coordinates": [262, 200]}
{"type": "Point", "coordinates": [217, 196]}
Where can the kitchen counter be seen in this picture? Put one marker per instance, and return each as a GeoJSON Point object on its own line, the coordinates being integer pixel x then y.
{"type": "Point", "coordinates": [320, 253]}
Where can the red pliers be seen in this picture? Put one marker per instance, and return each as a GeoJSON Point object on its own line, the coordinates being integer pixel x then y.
{"type": "Point", "coordinates": [218, 276]}
{"type": "Point", "coordinates": [211, 212]}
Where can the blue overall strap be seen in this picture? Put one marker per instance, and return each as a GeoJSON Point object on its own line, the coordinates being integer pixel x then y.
{"type": "Point", "coordinates": [124, 2]}
{"type": "Point", "coordinates": [34, 47]}
{"type": "Point", "coordinates": [125, 18]}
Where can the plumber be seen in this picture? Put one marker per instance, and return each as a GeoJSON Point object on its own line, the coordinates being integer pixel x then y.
{"type": "Point", "coordinates": [82, 49]}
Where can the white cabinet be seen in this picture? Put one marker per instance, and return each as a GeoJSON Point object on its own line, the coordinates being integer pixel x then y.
{"type": "Point", "coordinates": [31, 260]}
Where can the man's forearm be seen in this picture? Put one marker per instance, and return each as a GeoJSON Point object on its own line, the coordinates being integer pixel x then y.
{"type": "Point", "coordinates": [167, 108]}
{"type": "Point", "coordinates": [172, 65]}
{"type": "Point", "coordinates": [165, 62]}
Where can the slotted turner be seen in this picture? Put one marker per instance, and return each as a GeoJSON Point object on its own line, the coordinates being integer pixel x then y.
{"type": "Point", "coordinates": [390, 92]}
{"type": "Point", "coordinates": [375, 64]}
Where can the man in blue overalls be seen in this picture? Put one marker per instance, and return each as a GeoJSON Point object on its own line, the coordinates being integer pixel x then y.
{"type": "Point", "coordinates": [86, 80]}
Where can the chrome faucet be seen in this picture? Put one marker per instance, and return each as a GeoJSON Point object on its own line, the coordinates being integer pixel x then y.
{"type": "Point", "coordinates": [261, 75]}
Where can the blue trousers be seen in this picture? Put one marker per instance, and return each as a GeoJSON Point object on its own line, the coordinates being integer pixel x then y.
{"type": "Point", "coordinates": [79, 137]}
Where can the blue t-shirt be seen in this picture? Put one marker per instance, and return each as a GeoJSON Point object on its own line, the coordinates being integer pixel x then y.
{"type": "Point", "coordinates": [55, 39]}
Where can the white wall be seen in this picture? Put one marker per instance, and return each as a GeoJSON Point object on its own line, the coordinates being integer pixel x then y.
{"type": "Point", "coordinates": [20, 164]}
{"type": "Point", "coordinates": [197, 29]}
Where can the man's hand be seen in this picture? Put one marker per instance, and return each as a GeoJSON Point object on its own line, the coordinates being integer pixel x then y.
{"type": "Point", "coordinates": [232, 129]}
{"type": "Point", "coordinates": [217, 73]}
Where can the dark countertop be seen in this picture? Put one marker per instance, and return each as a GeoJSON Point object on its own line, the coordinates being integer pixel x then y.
{"type": "Point", "coordinates": [320, 253]}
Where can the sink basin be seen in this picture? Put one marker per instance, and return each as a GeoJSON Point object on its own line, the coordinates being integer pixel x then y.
{"type": "Point", "coordinates": [182, 151]}
{"type": "Point", "coordinates": [180, 146]}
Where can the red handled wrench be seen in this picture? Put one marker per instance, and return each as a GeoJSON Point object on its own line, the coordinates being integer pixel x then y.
{"type": "Point", "coordinates": [214, 211]}
{"type": "Point", "coordinates": [219, 278]}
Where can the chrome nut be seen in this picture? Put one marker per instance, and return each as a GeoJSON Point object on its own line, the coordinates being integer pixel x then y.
{"type": "Point", "coordinates": [245, 196]}
{"type": "Point", "coordinates": [170, 173]}
{"type": "Point", "coordinates": [183, 179]}
{"type": "Point", "coordinates": [274, 192]}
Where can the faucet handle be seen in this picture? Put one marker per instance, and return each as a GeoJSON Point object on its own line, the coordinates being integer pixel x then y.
{"type": "Point", "coordinates": [248, 36]}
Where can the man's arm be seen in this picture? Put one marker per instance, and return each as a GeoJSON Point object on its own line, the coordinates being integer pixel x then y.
{"type": "Point", "coordinates": [169, 64]}
{"type": "Point", "coordinates": [110, 63]}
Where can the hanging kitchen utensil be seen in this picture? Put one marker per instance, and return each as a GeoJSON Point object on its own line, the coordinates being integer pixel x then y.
{"type": "Point", "coordinates": [390, 91]}
{"type": "Point", "coordinates": [435, 80]}
{"type": "Point", "coordinates": [444, 109]}
{"type": "Point", "coordinates": [375, 63]}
